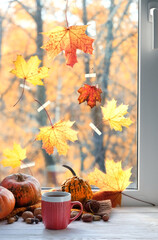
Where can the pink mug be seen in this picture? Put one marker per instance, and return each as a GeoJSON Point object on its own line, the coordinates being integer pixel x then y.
{"type": "Point", "coordinates": [56, 209]}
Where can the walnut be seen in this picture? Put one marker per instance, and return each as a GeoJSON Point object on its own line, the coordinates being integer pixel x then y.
{"type": "Point", "coordinates": [37, 211]}
{"type": "Point", "coordinates": [27, 214]}
{"type": "Point", "coordinates": [91, 206]}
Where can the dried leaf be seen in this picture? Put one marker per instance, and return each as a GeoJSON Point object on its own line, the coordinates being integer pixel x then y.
{"type": "Point", "coordinates": [115, 197]}
{"type": "Point", "coordinates": [57, 136]}
{"type": "Point", "coordinates": [13, 157]}
{"type": "Point", "coordinates": [91, 94]}
{"type": "Point", "coordinates": [115, 115]}
{"type": "Point", "coordinates": [20, 210]}
{"type": "Point", "coordinates": [113, 182]}
{"type": "Point", "coordinates": [68, 39]}
{"type": "Point", "coordinates": [29, 70]}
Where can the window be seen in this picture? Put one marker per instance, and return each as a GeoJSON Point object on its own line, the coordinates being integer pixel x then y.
{"type": "Point", "coordinates": [114, 26]}
{"type": "Point", "coordinates": [148, 98]}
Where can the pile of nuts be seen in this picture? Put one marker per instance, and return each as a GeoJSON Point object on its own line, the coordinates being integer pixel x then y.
{"type": "Point", "coordinates": [93, 211]}
{"type": "Point", "coordinates": [91, 208]}
{"type": "Point", "coordinates": [89, 217]}
{"type": "Point", "coordinates": [34, 217]}
{"type": "Point", "coordinates": [28, 217]}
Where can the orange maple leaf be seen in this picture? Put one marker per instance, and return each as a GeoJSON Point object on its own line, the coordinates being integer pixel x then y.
{"type": "Point", "coordinates": [111, 183]}
{"type": "Point", "coordinates": [57, 136]}
{"type": "Point", "coordinates": [68, 39]}
{"type": "Point", "coordinates": [91, 94]}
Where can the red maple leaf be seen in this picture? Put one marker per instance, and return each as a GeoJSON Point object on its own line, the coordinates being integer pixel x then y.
{"type": "Point", "coordinates": [91, 94]}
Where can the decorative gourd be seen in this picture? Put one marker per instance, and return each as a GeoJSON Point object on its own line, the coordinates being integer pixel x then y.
{"type": "Point", "coordinates": [25, 188]}
{"type": "Point", "coordinates": [7, 202]}
{"type": "Point", "coordinates": [79, 188]}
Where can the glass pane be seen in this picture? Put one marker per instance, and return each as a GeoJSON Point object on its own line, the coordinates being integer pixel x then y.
{"type": "Point", "coordinates": [114, 26]}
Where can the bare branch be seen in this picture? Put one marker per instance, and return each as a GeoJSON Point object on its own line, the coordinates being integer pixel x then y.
{"type": "Point", "coordinates": [123, 40]}
{"type": "Point", "coordinates": [26, 8]}
{"type": "Point", "coordinates": [18, 26]}
{"type": "Point", "coordinates": [123, 87]}
{"type": "Point", "coordinates": [110, 17]}
{"type": "Point", "coordinates": [123, 15]}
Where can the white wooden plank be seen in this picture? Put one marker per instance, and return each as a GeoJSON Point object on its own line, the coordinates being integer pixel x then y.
{"type": "Point", "coordinates": [124, 223]}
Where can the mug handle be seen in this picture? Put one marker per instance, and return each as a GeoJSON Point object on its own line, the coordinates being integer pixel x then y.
{"type": "Point", "coordinates": [80, 212]}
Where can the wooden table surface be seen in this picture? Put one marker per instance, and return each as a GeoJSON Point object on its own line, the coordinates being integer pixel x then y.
{"type": "Point", "coordinates": [125, 223]}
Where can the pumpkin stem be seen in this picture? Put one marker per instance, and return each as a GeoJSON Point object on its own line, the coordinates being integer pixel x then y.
{"type": "Point", "coordinates": [20, 177]}
{"type": "Point", "coordinates": [72, 171]}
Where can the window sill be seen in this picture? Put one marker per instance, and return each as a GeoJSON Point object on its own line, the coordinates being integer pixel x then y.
{"type": "Point", "coordinates": [125, 223]}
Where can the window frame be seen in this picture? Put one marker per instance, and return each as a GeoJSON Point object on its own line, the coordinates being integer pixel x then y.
{"type": "Point", "coordinates": [147, 114]}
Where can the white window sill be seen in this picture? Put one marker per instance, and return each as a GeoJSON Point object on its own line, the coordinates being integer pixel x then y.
{"type": "Point", "coordinates": [125, 223]}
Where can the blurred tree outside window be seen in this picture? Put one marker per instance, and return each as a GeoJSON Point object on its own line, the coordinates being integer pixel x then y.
{"type": "Point", "coordinates": [114, 26]}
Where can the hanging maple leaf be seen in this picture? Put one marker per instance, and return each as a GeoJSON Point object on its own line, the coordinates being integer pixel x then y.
{"type": "Point", "coordinates": [13, 157]}
{"type": "Point", "coordinates": [29, 70]}
{"type": "Point", "coordinates": [111, 183]}
{"type": "Point", "coordinates": [68, 39]}
{"type": "Point", "coordinates": [57, 136]}
{"type": "Point", "coordinates": [91, 94]}
{"type": "Point", "coordinates": [115, 115]}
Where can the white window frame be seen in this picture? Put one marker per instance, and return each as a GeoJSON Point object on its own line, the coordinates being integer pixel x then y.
{"type": "Point", "coordinates": [147, 114]}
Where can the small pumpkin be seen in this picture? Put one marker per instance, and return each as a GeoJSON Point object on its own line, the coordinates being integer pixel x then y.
{"type": "Point", "coordinates": [79, 188]}
{"type": "Point", "coordinates": [7, 202]}
{"type": "Point", "coordinates": [25, 188]}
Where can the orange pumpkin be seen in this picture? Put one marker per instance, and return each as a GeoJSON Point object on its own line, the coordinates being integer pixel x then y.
{"type": "Point", "coordinates": [7, 202]}
{"type": "Point", "coordinates": [25, 188]}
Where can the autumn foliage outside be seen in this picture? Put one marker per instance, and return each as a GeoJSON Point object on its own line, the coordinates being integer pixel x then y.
{"type": "Point", "coordinates": [52, 57]}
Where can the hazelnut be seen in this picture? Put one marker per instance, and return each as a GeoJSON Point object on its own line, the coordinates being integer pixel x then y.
{"type": "Point", "coordinates": [96, 218]}
{"type": "Point", "coordinates": [10, 220]}
{"type": "Point", "coordinates": [73, 214]}
{"type": "Point", "coordinates": [105, 217]}
{"type": "Point", "coordinates": [37, 211]}
{"type": "Point", "coordinates": [92, 206]}
{"type": "Point", "coordinates": [39, 217]}
{"type": "Point", "coordinates": [27, 214]}
{"type": "Point", "coordinates": [36, 220]}
{"type": "Point", "coordinates": [87, 217]}
{"type": "Point", "coordinates": [29, 220]}
{"type": "Point", "coordinates": [16, 217]}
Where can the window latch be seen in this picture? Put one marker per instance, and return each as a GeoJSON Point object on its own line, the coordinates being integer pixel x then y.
{"type": "Point", "coordinates": [153, 18]}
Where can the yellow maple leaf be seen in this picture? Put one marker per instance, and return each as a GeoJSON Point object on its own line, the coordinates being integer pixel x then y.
{"type": "Point", "coordinates": [68, 39]}
{"type": "Point", "coordinates": [113, 182]}
{"type": "Point", "coordinates": [115, 115]}
{"type": "Point", "coordinates": [13, 157]}
{"type": "Point", "coordinates": [29, 70]}
{"type": "Point", "coordinates": [57, 136]}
